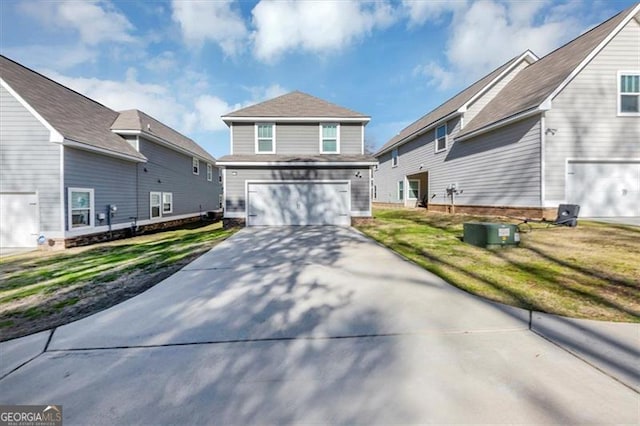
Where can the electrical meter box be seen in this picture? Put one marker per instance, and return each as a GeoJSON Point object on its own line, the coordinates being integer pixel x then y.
{"type": "Point", "coordinates": [491, 235]}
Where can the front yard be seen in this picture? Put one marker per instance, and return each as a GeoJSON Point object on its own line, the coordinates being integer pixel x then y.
{"type": "Point", "coordinates": [41, 290]}
{"type": "Point", "coordinates": [592, 271]}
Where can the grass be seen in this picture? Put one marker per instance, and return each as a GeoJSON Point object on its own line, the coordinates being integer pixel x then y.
{"type": "Point", "coordinates": [39, 290]}
{"type": "Point", "coordinates": [591, 271]}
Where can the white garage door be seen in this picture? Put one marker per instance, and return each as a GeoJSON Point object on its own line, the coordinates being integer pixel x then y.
{"type": "Point", "coordinates": [298, 203]}
{"type": "Point", "coordinates": [18, 220]}
{"type": "Point", "coordinates": [605, 189]}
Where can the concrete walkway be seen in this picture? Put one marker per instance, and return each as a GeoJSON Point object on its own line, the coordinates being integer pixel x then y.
{"type": "Point", "coordinates": [320, 324]}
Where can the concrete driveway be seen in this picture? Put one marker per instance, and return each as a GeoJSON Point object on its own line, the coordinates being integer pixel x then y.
{"type": "Point", "coordinates": [304, 325]}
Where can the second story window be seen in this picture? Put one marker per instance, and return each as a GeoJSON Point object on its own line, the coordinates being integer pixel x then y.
{"type": "Point", "coordinates": [329, 143]}
{"type": "Point", "coordinates": [629, 101]}
{"type": "Point", "coordinates": [441, 138]}
{"type": "Point", "coordinates": [265, 139]}
{"type": "Point", "coordinates": [394, 157]}
{"type": "Point", "coordinates": [209, 172]}
{"type": "Point", "coordinates": [196, 166]}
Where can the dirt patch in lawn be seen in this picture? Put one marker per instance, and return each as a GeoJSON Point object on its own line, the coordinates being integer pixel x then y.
{"type": "Point", "coordinates": [42, 290]}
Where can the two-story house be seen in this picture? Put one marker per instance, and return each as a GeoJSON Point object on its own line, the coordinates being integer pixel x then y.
{"type": "Point", "coordinates": [531, 135]}
{"type": "Point", "coordinates": [296, 160]}
{"type": "Point", "coordinates": [73, 171]}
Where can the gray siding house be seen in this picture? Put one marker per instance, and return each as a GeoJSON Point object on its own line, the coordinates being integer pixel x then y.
{"type": "Point", "coordinates": [296, 160]}
{"type": "Point", "coordinates": [534, 133]}
{"type": "Point", "coordinates": [73, 171]}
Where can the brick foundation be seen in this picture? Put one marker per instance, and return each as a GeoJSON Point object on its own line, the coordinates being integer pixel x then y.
{"type": "Point", "coordinates": [233, 222]}
{"type": "Point", "coordinates": [520, 212]}
{"type": "Point", "coordinates": [84, 240]}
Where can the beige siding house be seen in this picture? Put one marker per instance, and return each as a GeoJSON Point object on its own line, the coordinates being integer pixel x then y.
{"type": "Point", "coordinates": [535, 133]}
{"type": "Point", "coordinates": [296, 160]}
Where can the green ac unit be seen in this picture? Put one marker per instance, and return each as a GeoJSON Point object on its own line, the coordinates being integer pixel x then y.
{"type": "Point", "coordinates": [491, 235]}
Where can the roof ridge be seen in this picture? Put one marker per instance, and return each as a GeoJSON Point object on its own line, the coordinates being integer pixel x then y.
{"type": "Point", "coordinates": [57, 83]}
{"type": "Point", "coordinates": [162, 123]}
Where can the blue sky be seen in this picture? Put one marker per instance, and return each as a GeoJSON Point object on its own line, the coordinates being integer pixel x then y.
{"type": "Point", "coordinates": [188, 62]}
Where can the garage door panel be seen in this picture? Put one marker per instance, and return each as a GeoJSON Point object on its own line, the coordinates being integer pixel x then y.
{"type": "Point", "coordinates": [18, 220]}
{"type": "Point", "coordinates": [605, 189]}
{"type": "Point", "coordinates": [299, 203]}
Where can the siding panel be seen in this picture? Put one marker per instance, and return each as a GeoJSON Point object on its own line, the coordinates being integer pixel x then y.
{"type": "Point", "coordinates": [235, 189]}
{"type": "Point", "coordinates": [498, 168]}
{"type": "Point", "coordinates": [171, 171]}
{"type": "Point", "coordinates": [297, 138]}
{"type": "Point", "coordinates": [28, 161]}
{"type": "Point", "coordinates": [113, 181]}
{"type": "Point", "coordinates": [584, 115]}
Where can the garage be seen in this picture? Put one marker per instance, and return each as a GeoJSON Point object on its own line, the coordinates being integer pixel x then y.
{"type": "Point", "coordinates": [604, 188]}
{"type": "Point", "coordinates": [298, 203]}
{"type": "Point", "coordinates": [18, 220]}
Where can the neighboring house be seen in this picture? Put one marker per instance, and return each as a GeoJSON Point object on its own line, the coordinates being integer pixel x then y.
{"type": "Point", "coordinates": [73, 171]}
{"type": "Point", "coordinates": [296, 160]}
{"type": "Point", "coordinates": [532, 134]}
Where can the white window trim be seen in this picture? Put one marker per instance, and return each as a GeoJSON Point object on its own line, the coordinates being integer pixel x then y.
{"type": "Point", "coordinates": [409, 189]}
{"type": "Point", "coordinates": [195, 164]}
{"type": "Point", "coordinates": [151, 205]}
{"type": "Point", "coordinates": [619, 95]}
{"type": "Point", "coordinates": [273, 138]}
{"type": "Point", "coordinates": [337, 151]}
{"type": "Point", "coordinates": [209, 172]}
{"type": "Point", "coordinates": [400, 182]}
{"type": "Point", "coordinates": [446, 138]}
{"type": "Point", "coordinates": [395, 154]}
{"type": "Point", "coordinates": [162, 211]}
{"type": "Point", "coordinates": [92, 210]}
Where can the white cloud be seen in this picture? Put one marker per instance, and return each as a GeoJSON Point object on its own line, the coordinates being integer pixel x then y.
{"type": "Point", "coordinates": [154, 99]}
{"type": "Point", "coordinates": [216, 21]}
{"type": "Point", "coordinates": [436, 75]}
{"type": "Point", "coordinates": [421, 11]}
{"type": "Point", "coordinates": [318, 27]}
{"type": "Point", "coordinates": [490, 32]}
{"type": "Point", "coordinates": [95, 21]}
{"type": "Point", "coordinates": [63, 56]}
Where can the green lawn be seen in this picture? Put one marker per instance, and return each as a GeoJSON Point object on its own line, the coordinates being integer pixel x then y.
{"type": "Point", "coordinates": [592, 271]}
{"type": "Point", "coordinates": [39, 290]}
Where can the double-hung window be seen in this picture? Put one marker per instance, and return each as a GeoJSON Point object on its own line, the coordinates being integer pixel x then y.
{"type": "Point", "coordinates": [196, 166]}
{"type": "Point", "coordinates": [441, 138]}
{"type": "Point", "coordinates": [629, 96]}
{"type": "Point", "coordinates": [209, 172]}
{"type": "Point", "coordinates": [329, 141]}
{"type": "Point", "coordinates": [265, 139]}
{"type": "Point", "coordinates": [81, 208]}
{"type": "Point", "coordinates": [155, 207]}
{"type": "Point", "coordinates": [167, 202]}
{"type": "Point", "coordinates": [394, 157]}
{"type": "Point", "coordinates": [414, 190]}
{"type": "Point", "coordinates": [401, 190]}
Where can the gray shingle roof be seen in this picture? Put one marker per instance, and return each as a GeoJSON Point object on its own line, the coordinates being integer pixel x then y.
{"type": "Point", "coordinates": [295, 104]}
{"type": "Point", "coordinates": [447, 108]}
{"type": "Point", "coordinates": [533, 85]}
{"type": "Point", "coordinates": [75, 116]}
{"type": "Point", "coordinates": [320, 158]}
{"type": "Point", "coordinates": [139, 121]}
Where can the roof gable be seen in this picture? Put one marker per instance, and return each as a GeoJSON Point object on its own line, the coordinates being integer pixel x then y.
{"type": "Point", "coordinates": [537, 84]}
{"type": "Point", "coordinates": [139, 122]}
{"type": "Point", "coordinates": [454, 104]}
{"type": "Point", "coordinates": [294, 105]}
{"type": "Point", "coordinates": [76, 117]}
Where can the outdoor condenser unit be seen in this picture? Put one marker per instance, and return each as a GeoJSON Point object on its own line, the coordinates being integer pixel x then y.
{"type": "Point", "coordinates": [491, 235]}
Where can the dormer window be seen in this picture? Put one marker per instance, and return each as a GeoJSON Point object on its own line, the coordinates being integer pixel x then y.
{"type": "Point", "coordinates": [329, 141]}
{"type": "Point", "coordinates": [265, 138]}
